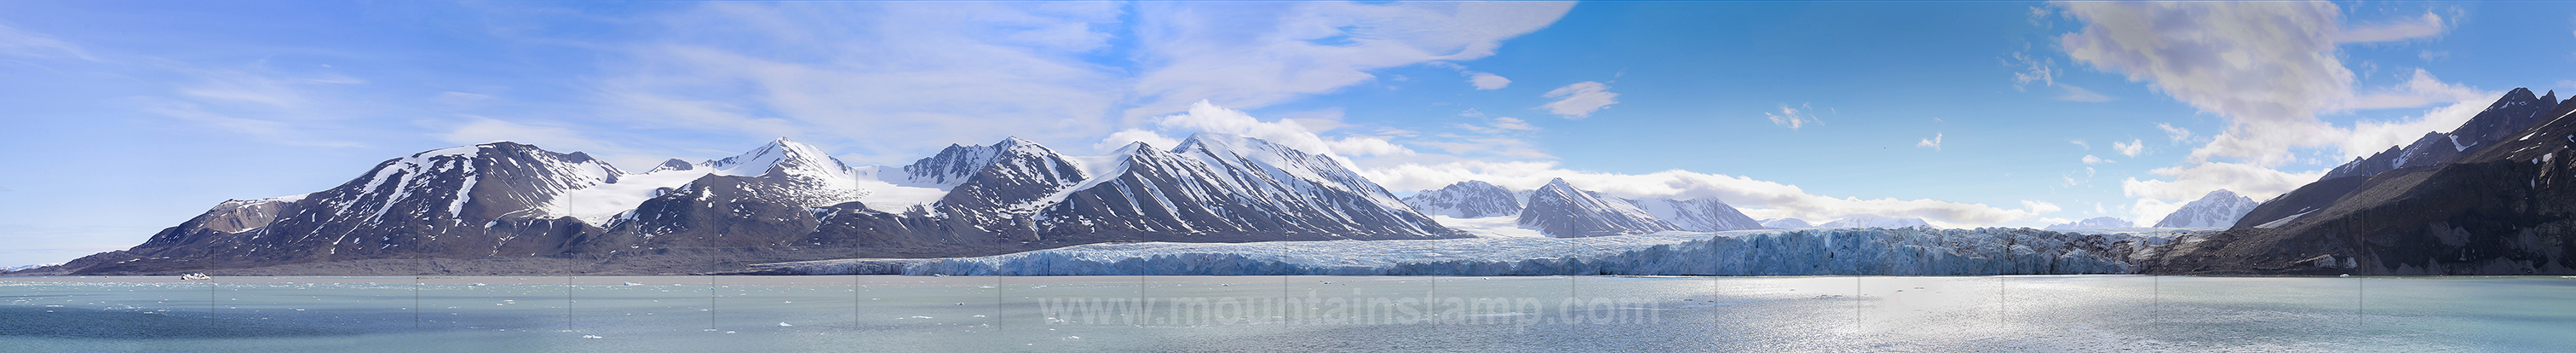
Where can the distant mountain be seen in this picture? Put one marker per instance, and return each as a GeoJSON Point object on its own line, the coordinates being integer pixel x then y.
{"type": "Point", "coordinates": [2094, 223]}
{"type": "Point", "coordinates": [783, 201]}
{"type": "Point", "coordinates": [25, 267]}
{"type": "Point", "coordinates": [1699, 215]}
{"type": "Point", "coordinates": [2505, 206]}
{"type": "Point", "coordinates": [1786, 223]}
{"type": "Point", "coordinates": [2217, 209]}
{"type": "Point", "coordinates": [1466, 199]}
{"type": "Point", "coordinates": [1562, 211]}
{"type": "Point", "coordinates": [1874, 221]}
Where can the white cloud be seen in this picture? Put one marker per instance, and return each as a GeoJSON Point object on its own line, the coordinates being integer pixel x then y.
{"type": "Point", "coordinates": [1253, 54]}
{"type": "Point", "coordinates": [1484, 80]}
{"type": "Point", "coordinates": [2268, 68]}
{"type": "Point", "coordinates": [1934, 143]}
{"type": "Point", "coordinates": [37, 45]}
{"type": "Point", "coordinates": [884, 78]}
{"type": "Point", "coordinates": [2039, 207]}
{"type": "Point", "coordinates": [1579, 100]}
{"type": "Point", "coordinates": [2034, 70]}
{"type": "Point", "coordinates": [2079, 94]}
{"type": "Point", "coordinates": [1793, 117]}
{"type": "Point", "coordinates": [2130, 148]}
{"type": "Point", "coordinates": [1760, 199]}
{"type": "Point", "coordinates": [2420, 89]}
{"type": "Point", "coordinates": [2419, 27]}
{"type": "Point", "coordinates": [1208, 117]}
{"type": "Point", "coordinates": [1124, 137]}
{"type": "Point", "coordinates": [2090, 159]}
{"type": "Point", "coordinates": [480, 129]}
{"type": "Point", "coordinates": [461, 99]}
{"type": "Point", "coordinates": [269, 131]}
{"type": "Point", "coordinates": [2156, 198]}
{"type": "Point", "coordinates": [2043, 72]}
{"type": "Point", "coordinates": [2178, 135]}
{"type": "Point", "coordinates": [2268, 65]}
{"type": "Point", "coordinates": [2193, 181]}
{"type": "Point", "coordinates": [2080, 142]}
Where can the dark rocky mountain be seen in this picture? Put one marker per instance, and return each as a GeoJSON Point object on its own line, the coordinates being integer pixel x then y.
{"type": "Point", "coordinates": [472, 201]}
{"type": "Point", "coordinates": [2219, 208]}
{"type": "Point", "coordinates": [1216, 187]}
{"type": "Point", "coordinates": [2516, 110]}
{"type": "Point", "coordinates": [1467, 199]}
{"type": "Point", "coordinates": [1562, 211]}
{"type": "Point", "coordinates": [498, 207]}
{"type": "Point", "coordinates": [2506, 206]}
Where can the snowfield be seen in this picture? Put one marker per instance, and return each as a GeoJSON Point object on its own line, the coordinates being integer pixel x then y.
{"type": "Point", "coordinates": [1861, 251]}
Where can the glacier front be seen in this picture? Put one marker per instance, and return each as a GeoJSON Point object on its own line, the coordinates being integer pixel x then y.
{"type": "Point", "coordinates": [1851, 251]}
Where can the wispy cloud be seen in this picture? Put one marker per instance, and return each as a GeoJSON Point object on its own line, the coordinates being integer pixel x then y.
{"type": "Point", "coordinates": [886, 77]}
{"type": "Point", "coordinates": [1579, 100]}
{"type": "Point", "coordinates": [1934, 143]}
{"type": "Point", "coordinates": [1482, 80]}
{"type": "Point", "coordinates": [2130, 148]}
{"type": "Point", "coordinates": [22, 43]}
{"type": "Point", "coordinates": [1253, 54]}
{"type": "Point", "coordinates": [2178, 135]}
{"type": "Point", "coordinates": [1793, 117]}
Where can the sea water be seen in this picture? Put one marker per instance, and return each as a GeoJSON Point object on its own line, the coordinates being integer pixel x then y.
{"type": "Point", "coordinates": [1287, 313]}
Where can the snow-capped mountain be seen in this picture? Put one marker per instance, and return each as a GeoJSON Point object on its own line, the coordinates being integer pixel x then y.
{"type": "Point", "coordinates": [1467, 199]}
{"type": "Point", "coordinates": [440, 203]}
{"type": "Point", "coordinates": [1786, 223]}
{"type": "Point", "coordinates": [2094, 223]}
{"type": "Point", "coordinates": [1700, 215]}
{"type": "Point", "coordinates": [25, 267]}
{"type": "Point", "coordinates": [505, 199]}
{"type": "Point", "coordinates": [2516, 110]}
{"type": "Point", "coordinates": [1220, 187]}
{"type": "Point", "coordinates": [1562, 211]}
{"type": "Point", "coordinates": [2217, 209]}
{"type": "Point", "coordinates": [1874, 221]}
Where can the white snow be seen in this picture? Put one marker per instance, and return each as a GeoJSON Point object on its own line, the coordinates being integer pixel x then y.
{"type": "Point", "coordinates": [1490, 227]}
{"type": "Point", "coordinates": [885, 196]}
{"type": "Point", "coordinates": [598, 203]}
{"type": "Point", "coordinates": [2284, 221]}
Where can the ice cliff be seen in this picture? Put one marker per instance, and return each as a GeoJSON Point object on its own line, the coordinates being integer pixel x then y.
{"type": "Point", "coordinates": [1866, 251]}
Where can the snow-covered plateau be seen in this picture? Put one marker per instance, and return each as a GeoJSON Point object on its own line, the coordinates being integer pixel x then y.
{"type": "Point", "coordinates": [1855, 251]}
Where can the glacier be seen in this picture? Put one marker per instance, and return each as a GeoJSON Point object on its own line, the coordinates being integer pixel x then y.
{"type": "Point", "coordinates": [1916, 251]}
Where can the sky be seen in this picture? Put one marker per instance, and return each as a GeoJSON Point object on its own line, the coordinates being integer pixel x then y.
{"type": "Point", "coordinates": [125, 117]}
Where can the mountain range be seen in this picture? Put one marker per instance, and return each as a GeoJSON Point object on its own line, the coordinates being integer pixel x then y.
{"type": "Point", "coordinates": [2491, 197]}
{"type": "Point", "coordinates": [505, 208]}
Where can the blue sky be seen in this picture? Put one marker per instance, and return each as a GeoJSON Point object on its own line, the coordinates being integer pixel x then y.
{"type": "Point", "coordinates": [131, 116]}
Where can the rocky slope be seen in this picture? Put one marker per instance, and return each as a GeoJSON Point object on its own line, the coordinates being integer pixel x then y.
{"type": "Point", "coordinates": [1562, 211]}
{"type": "Point", "coordinates": [2505, 207]}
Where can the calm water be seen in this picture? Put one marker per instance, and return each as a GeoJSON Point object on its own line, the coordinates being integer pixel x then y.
{"type": "Point", "coordinates": [1303, 314]}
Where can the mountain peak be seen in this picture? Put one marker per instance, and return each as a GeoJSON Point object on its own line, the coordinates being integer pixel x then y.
{"type": "Point", "coordinates": [781, 155]}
